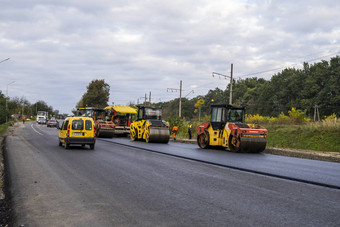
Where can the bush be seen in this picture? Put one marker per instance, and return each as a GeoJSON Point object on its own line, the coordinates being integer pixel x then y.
{"type": "Point", "coordinates": [297, 116]}
{"type": "Point", "coordinates": [331, 117]}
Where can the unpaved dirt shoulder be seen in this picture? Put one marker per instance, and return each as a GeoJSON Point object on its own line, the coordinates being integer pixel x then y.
{"type": "Point", "coordinates": [5, 197]}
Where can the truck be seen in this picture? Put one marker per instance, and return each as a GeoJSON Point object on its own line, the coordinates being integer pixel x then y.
{"type": "Point", "coordinates": [42, 117]}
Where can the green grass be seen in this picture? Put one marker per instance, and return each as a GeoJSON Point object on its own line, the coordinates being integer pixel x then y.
{"type": "Point", "coordinates": [4, 127]}
{"type": "Point", "coordinates": [308, 137]}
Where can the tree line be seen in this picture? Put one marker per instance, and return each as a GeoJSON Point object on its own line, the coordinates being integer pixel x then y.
{"type": "Point", "coordinates": [21, 106]}
{"type": "Point", "coordinates": [315, 86]}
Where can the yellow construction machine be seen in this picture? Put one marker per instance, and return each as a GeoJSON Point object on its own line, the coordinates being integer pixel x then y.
{"type": "Point", "coordinates": [227, 128]}
{"type": "Point", "coordinates": [122, 117]}
{"type": "Point", "coordinates": [149, 126]}
{"type": "Point", "coordinates": [104, 127]}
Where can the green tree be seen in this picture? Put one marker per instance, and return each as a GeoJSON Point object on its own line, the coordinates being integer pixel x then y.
{"type": "Point", "coordinates": [3, 111]}
{"type": "Point", "coordinates": [97, 94]}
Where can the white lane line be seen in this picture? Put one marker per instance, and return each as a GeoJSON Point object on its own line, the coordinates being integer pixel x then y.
{"type": "Point", "coordinates": [36, 130]}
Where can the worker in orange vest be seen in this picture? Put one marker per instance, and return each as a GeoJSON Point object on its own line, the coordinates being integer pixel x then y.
{"type": "Point", "coordinates": [23, 119]}
{"type": "Point", "coordinates": [174, 131]}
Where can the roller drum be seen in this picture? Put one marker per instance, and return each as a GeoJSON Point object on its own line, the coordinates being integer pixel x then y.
{"type": "Point", "coordinates": [105, 133]}
{"type": "Point", "coordinates": [252, 145]}
{"type": "Point", "coordinates": [159, 135]}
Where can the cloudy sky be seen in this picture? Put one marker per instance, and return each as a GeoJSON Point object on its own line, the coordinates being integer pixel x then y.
{"type": "Point", "coordinates": [57, 47]}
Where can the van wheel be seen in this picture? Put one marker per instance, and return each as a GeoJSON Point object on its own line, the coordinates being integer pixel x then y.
{"type": "Point", "coordinates": [66, 146]}
{"type": "Point", "coordinates": [60, 143]}
{"type": "Point", "coordinates": [91, 146]}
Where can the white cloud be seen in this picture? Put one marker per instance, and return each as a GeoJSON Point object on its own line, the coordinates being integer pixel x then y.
{"type": "Point", "coordinates": [58, 47]}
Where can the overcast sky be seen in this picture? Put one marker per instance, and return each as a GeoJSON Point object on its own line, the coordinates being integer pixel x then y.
{"type": "Point", "coordinates": [57, 47]}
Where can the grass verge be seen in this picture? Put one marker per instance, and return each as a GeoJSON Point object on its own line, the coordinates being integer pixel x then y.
{"type": "Point", "coordinates": [307, 137]}
{"type": "Point", "coordinates": [4, 127]}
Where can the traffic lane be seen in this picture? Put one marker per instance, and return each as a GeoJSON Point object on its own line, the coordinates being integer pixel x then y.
{"type": "Point", "coordinates": [319, 172]}
{"type": "Point", "coordinates": [116, 185]}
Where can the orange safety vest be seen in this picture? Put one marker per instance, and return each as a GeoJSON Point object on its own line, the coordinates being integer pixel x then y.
{"type": "Point", "coordinates": [175, 129]}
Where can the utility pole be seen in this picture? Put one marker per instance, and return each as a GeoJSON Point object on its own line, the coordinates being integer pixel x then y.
{"type": "Point", "coordinates": [231, 85]}
{"type": "Point", "coordinates": [316, 113]}
{"type": "Point", "coordinates": [180, 97]}
{"type": "Point", "coordinates": [231, 82]}
{"type": "Point", "coordinates": [145, 100]}
{"type": "Point", "coordinates": [150, 98]}
{"type": "Point", "coordinates": [180, 100]}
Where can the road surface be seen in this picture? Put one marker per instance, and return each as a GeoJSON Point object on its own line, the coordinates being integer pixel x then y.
{"type": "Point", "coordinates": [117, 185]}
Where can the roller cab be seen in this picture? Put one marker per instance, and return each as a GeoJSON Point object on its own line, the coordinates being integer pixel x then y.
{"type": "Point", "coordinates": [227, 128]}
{"type": "Point", "coordinates": [149, 126]}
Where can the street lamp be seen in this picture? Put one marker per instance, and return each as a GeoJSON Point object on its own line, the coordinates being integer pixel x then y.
{"type": "Point", "coordinates": [4, 60]}
{"type": "Point", "coordinates": [7, 87]}
{"type": "Point", "coordinates": [6, 98]}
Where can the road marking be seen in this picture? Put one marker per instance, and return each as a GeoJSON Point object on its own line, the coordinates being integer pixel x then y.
{"type": "Point", "coordinates": [36, 130]}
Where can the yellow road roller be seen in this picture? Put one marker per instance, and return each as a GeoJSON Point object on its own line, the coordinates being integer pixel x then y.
{"type": "Point", "coordinates": [227, 128]}
{"type": "Point", "coordinates": [149, 126]}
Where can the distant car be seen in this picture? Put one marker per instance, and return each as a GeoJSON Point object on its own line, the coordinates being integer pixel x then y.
{"type": "Point", "coordinates": [52, 123]}
{"type": "Point", "coordinates": [42, 120]}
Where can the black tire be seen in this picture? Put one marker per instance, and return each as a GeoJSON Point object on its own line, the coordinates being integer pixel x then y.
{"type": "Point", "coordinates": [66, 146]}
{"type": "Point", "coordinates": [203, 140]}
{"type": "Point", "coordinates": [232, 147]}
{"type": "Point", "coordinates": [60, 143]}
{"type": "Point", "coordinates": [91, 146]}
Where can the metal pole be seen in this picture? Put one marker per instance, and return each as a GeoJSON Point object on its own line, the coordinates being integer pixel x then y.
{"type": "Point", "coordinates": [180, 100]}
{"type": "Point", "coordinates": [231, 85]}
{"type": "Point", "coordinates": [150, 98]}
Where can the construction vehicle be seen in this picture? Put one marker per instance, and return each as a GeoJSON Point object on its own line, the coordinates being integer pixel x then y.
{"type": "Point", "coordinates": [149, 126]}
{"type": "Point", "coordinates": [121, 116]}
{"type": "Point", "coordinates": [228, 129]}
{"type": "Point", "coordinates": [104, 127]}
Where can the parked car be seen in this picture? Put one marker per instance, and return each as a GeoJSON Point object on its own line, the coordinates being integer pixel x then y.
{"type": "Point", "coordinates": [77, 130]}
{"type": "Point", "coordinates": [52, 123]}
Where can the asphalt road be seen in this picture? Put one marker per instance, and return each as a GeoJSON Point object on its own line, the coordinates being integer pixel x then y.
{"type": "Point", "coordinates": [116, 185]}
{"type": "Point", "coordinates": [311, 171]}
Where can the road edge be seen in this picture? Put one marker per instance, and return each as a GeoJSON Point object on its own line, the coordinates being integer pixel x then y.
{"type": "Point", "coordinates": [5, 197]}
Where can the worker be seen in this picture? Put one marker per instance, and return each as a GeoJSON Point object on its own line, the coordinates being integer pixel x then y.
{"type": "Point", "coordinates": [190, 129]}
{"type": "Point", "coordinates": [174, 131]}
{"type": "Point", "coordinates": [23, 119]}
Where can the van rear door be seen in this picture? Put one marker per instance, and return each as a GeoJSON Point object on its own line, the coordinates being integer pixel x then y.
{"type": "Point", "coordinates": [89, 132]}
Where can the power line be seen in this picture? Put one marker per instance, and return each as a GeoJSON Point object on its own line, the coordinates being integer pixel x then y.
{"type": "Point", "coordinates": [271, 70]}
